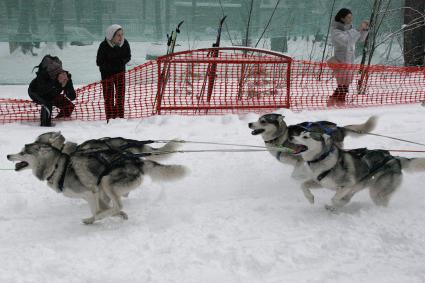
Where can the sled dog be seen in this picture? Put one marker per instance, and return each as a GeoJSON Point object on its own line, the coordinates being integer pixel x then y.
{"type": "Point", "coordinates": [101, 178]}
{"type": "Point", "coordinates": [349, 171]}
{"type": "Point", "coordinates": [275, 133]}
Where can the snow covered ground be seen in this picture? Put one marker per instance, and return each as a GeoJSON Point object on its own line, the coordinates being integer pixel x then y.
{"type": "Point", "coordinates": [237, 217]}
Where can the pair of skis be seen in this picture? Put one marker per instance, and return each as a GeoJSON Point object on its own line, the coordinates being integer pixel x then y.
{"type": "Point", "coordinates": [212, 67]}
{"type": "Point", "coordinates": [171, 39]}
{"type": "Point", "coordinates": [171, 43]}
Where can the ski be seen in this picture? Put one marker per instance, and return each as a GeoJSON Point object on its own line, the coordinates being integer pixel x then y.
{"type": "Point", "coordinates": [171, 39]}
{"type": "Point", "coordinates": [171, 43]}
{"type": "Point", "coordinates": [212, 67]}
{"type": "Point", "coordinates": [217, 41]}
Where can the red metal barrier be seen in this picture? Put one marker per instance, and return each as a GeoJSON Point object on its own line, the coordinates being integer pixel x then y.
{"type": "Point", "coordinates": [236, 80]}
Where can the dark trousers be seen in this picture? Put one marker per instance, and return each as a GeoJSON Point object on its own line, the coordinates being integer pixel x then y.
{"type": "Point", "coordinates": [338, 97]}
{"type": "Point", "coordinates": [60, 101]}
{"type": "Point", "coordinates": [114, 94]}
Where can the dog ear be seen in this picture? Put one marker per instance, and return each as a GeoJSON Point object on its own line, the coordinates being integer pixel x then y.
{"type": "Point", "coordinates": [44, 149]}
{"type": "Point", "coordinates": [327, 139]}
{"type": "Point", "coordinates": [281, 120]}
{"type": "Point", "coordinates": [54, 137]}
{"type": "Point", "coordinates": [316, 136]}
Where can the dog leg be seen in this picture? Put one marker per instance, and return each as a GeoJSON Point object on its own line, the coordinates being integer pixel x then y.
{"type": "Point", "coordinates": [306, 186]}
{"type": "Point", "coordinates": [93, 208]}
{"type": "Point", "coordinates": [341, 198]}
{"type": "Point", "coordinates": [116, 204]}
{"type": "Point", "coordinates": [384, 188]}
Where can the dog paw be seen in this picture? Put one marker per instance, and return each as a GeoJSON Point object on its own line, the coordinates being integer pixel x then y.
{"type": "Point", "coordinates": [311, 199]}
{"type": "Point", "coordinates": [88, 221]}
{"type": "Point", "coordinates": [331, 208]}
{"type": "Point", "coordinates": [123, 215]}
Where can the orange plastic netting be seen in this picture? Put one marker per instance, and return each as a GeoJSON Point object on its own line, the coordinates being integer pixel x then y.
{"type": "Point", "coordinates": [235, 80]}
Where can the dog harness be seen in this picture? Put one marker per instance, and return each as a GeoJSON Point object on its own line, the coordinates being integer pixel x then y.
{"type": "Point", "coordinates": [320, 158]}
{"type": "Point", "coordinates": [62, 176]}
{"type": "Point", "coordinates": [325, 128]}
{"type": "Point", "coordinates": [365, 156]}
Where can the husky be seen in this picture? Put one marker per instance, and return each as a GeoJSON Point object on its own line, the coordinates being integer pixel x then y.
{"type": "Point", "coordinates": [100, 178]}
{"type": "Point", "coordinates": [119, 144]}
{"type": "Point", "coordinates": [275, 133]}
{"type": "Point", "coordinates": [350, 171]}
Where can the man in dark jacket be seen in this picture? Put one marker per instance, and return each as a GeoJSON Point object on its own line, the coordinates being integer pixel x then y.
{"type": "Point", "coordinates": [52, 87]}
{"type": "Point", "coordinates": [113, 53]}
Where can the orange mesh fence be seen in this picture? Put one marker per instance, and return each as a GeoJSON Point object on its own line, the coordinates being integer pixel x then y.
{"type": "Point", "coordinates": [231, 80]}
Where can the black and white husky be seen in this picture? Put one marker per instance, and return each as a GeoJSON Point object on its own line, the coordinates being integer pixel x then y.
{"type": "Point", "coordinates": [275, 133]}
{"type": "Point", "coordinates": [99, 177]}
{"type": "Point", "coordinates": [349, 171]}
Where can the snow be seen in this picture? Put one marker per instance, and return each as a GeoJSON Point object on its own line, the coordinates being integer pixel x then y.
{"type": "Point", "coordinates": [237, 217]}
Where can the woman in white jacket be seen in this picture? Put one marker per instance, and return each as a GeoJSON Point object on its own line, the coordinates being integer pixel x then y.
{"type": "Point", "coordinates": [344, 38]}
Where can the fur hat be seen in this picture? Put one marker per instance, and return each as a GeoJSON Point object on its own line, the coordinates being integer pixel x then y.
{"type": "Point", "coordinates": [111, 30]}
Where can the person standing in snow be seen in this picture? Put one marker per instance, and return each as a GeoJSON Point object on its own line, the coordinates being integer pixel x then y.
{"type": "Point", "coordinates": [52, 87]}
{"type": "Point", "coordinates": [344, 38]}
{"type": "Point", "coordinates": [112, 56]}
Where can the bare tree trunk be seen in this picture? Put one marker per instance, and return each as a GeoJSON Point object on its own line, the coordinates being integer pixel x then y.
{"type": "Point", "coordinates": [58, 23]}
{"type": "Point", "coordinates": [27, 27]}
{"type": "Point", "coordinates": [414, 33]}
{"type": "Point", "coordinates": [167, 10]}
{"type": "Point", "coordinates": [142, 19]}
{"type": "Point", "coordinates": [327, 37]}
{"type": "Point", "coordinates": [193, 18]}
{"type": "Point", "coordinates": [248, 23]}
{"type": "Point", "coordinates": [369, 46]}
{"type": "Point", "coordinates": [98, 17]}
{"type": "Point", "coordinates": [79, 10]}
{"type": "Point", "coordinates": [158, 27]}
{"type": "Point", "coordinates": [23, 35]}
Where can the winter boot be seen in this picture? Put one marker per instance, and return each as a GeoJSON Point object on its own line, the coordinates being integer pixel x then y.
{"type": "Point", "coordinates": [338, 97]}
{"type": "Point", "coordinates": [45, 116]}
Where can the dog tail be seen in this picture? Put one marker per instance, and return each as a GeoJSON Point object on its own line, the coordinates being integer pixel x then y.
{"type": "Point", "coordinates": [412, 164]}
{"type": "Point", "coordinates": [360, 129]}
{"type": "Point", "coordinates": [160, 172]}
{"type": "Point", "coordinates": [164, 151]}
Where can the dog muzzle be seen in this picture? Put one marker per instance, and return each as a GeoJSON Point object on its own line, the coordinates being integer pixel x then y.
{"type": "Point", "coordinates": [21, 165]}
{"type": "Point", "coordinates": [257, 132]}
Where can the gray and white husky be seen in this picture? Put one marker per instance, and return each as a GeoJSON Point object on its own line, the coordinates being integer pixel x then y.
{"type": "Point", "coordinates": [101, 178]}
{"type": "Point", "coordinates": [349, 171]}
{"type": "Point", "coordinates": [275, 133]}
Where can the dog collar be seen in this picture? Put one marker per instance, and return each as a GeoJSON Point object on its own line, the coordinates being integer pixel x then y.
{"type": "Point", "coordinates": [278, 136]}
{"type": "Point", "coordinates": [321, 157]}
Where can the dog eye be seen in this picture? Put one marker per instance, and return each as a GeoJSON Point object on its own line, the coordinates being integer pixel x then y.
{"type": "Point", "coordinates": [305, 137]}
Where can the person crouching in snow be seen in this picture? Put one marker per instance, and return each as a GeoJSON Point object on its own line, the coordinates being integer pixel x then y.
{"type": "Point", "coordinates": [112, 56]}
{"type": "Point", "coordinates": [344, 38]}
{"type": "Point", "coordinates": [52, 87]}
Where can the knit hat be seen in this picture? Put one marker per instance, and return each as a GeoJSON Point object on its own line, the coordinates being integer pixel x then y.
{"type": "Point", "coordinates": [111, 30]}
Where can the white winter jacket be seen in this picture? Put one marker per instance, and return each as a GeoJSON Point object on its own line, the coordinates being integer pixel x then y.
{"type": "Point", "coordinates": [344, 38]}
